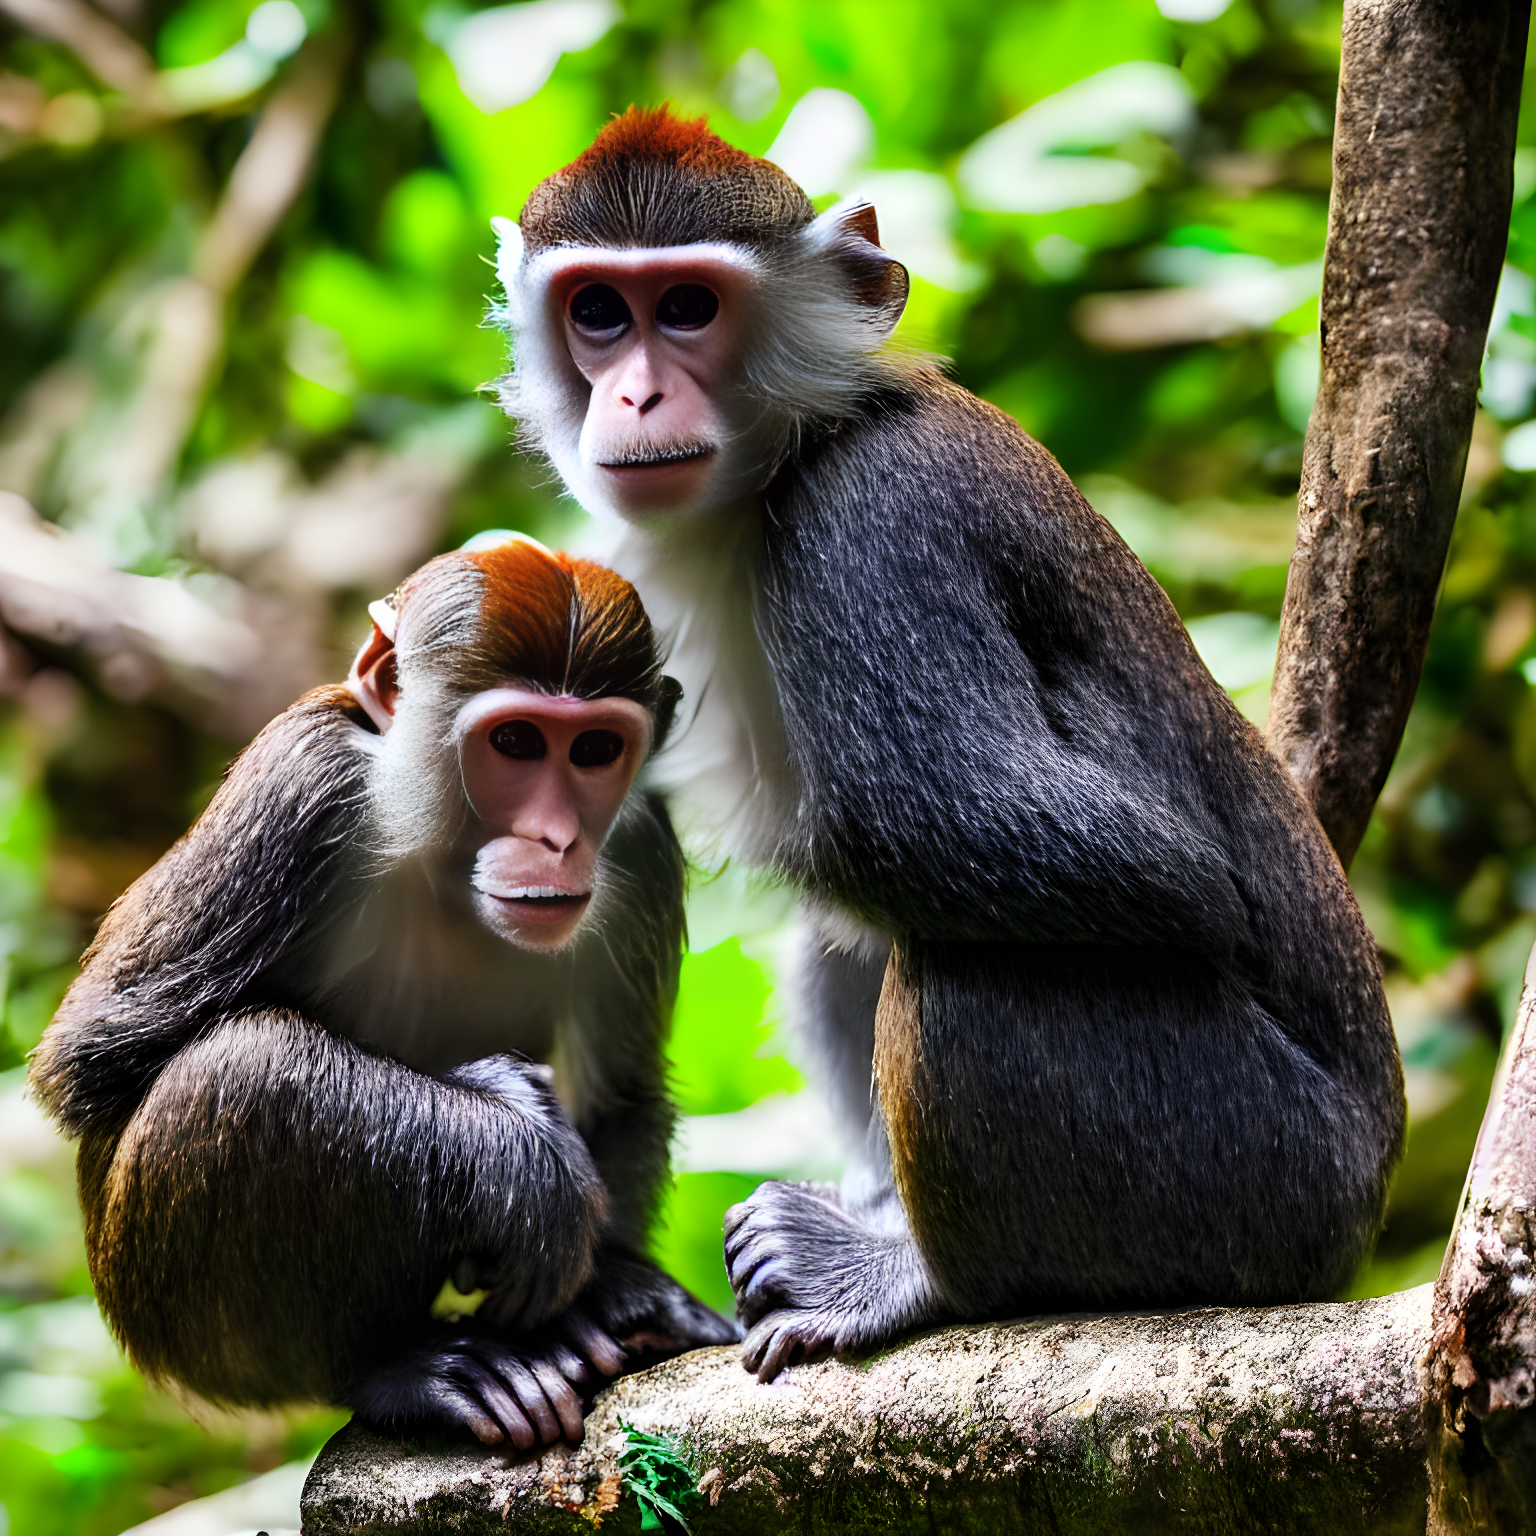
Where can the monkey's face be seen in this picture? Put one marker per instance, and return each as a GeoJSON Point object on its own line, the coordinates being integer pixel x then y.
{"type": "Point", "coordinates": [658, 337]}
{"type": "Point", "coordinates": [545, 777]}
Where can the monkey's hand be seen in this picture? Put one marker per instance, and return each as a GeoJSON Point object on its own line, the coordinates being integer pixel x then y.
{"type": "Point", "coordinates": [647, 1311]}
{"type": "Point", "coordinates": [528, 1390]}
{"type": "Point", "coordinates": [810, 1277]}
{"type": "Point", "coordinates": [526, 1291]}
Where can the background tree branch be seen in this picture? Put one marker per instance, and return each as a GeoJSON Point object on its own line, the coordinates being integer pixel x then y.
{"type": "Point", "coordinates": [1429, 95]}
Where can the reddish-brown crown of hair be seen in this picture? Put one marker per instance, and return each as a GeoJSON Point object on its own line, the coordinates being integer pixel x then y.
{"type": "Point", "coordinates": [517, 612]}
{"type": "Point", "coordinates": [652, 134]}
{"type": "Point", "coordinates": [651, 178]}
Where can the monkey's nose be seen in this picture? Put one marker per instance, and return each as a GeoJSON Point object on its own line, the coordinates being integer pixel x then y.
{"type": "Point", "coordinates": [646, 405]}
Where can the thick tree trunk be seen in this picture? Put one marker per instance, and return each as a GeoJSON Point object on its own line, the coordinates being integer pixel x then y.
{"type": "Point", "coordinates": [1480, 1368]}
{"type": "Point", "coordinates": [1422, 164]}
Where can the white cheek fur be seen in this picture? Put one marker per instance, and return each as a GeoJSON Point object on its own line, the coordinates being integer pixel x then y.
{"type": "Point", "coordinates": [815, 351]}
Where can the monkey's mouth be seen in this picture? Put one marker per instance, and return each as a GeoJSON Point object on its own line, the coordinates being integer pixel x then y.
{"type": "Point", "coordinates": [537, 904]}
{"type": "Point", "coordinates": [657, 456]}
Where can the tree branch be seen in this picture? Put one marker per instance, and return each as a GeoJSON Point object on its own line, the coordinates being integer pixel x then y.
{"type": "Point", "coordinates": [1298, 1419]}
{"type": "Point", "coordinates": [101, 45]}
{"type": "Point", "coordinates": [188, 332]}
{"type": "Point", "coordinates": [1429, 93]}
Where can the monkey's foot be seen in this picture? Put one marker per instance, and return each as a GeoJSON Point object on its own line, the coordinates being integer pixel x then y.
{"type": "Point", "coordinates": [809, 1277]}
{"type": "Point", "coordinates": [527, 1390]}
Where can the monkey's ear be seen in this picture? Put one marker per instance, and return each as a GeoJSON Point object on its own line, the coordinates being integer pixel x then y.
{"type": "Point", "coordinates": [374, 680]}
{"type": "Point", "coordinates": [850, 233]}
{"type": "Point", "coordinates": [862, 221]}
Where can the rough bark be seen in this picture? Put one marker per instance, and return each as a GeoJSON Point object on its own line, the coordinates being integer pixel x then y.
{"type": "Point", "coordinates": [1480, 1367]}
{"type": "Point", "coordinates": [1429, 92]}
{"type": "Point", "coordinates": [1298, 1419]}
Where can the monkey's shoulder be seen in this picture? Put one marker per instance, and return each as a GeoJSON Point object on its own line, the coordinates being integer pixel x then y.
{"type": "Point", "coordinates": [956, 471]}
{"type": "Point", "coordinates": [935, 493]}
{"type": "Point", "coordinates": [190, 938]}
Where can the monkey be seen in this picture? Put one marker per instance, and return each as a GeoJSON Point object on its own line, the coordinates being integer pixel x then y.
{"type": "Point", "coordinates": [393, 1014]}
{"type": "Point", "coordinates": [1089, 989]}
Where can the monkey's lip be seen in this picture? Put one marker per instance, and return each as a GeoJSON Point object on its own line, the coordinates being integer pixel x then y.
{"type": "Point", "coordinates": [539, 903]}
{"type": "Point", "coordinates": [640, 463]}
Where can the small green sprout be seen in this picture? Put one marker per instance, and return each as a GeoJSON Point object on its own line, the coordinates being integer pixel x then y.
{"type": "Point", "coordinates": [653, 1469]}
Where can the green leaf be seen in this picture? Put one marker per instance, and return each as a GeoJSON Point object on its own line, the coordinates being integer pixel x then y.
{"type": "Point", "coordinates": [654, 1469]}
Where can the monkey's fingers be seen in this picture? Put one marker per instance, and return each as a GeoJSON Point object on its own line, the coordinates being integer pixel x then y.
{"type": "Point", "coordinates": [568, 1363]}
{"type": "Point", "coordinates": [779, 1340]}
{"type": "Point", "coordinates": [734, 1216]}
{"type": "Point", "coordinates": [562, 1398]}
{"type": "Point", "coordinates": [498, 1400]}
{"type": "Point", "coordinates": [459, 1406]}
{"type": "Point", "coordinates": [599, 1347]}
{"type": "Point", "coordinates": [744, 1237]}
{"type": "Point", "coordinates": [755, 1250]}
{"type": "Point", "coordinates": [531, 1399]}
{"type": "Point", "coordinates": [425, 1385]}
{"type": "Point", "coordinates": [486, 1430]}
{"type": "Point", "coordinates": [764, 1292]}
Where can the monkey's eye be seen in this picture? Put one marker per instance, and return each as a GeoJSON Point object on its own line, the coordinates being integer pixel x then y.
{"type": "Point", "coordinates": [687, 307]}
{"type": "Point", "coordinates": [600, 310]}
{"type": "Point", "coordinates": [596, 749]}
{"type": "Point", "coordinates": [520, 739]}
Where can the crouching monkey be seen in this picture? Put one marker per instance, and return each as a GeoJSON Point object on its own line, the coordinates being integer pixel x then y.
{"type": "Point", "coordinates": [391, 1014]}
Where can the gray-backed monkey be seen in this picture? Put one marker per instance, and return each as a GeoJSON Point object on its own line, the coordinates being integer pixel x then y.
{"type": "Point", "coordinates": [393, 1013]}
{"type": "Point", "coordinates": [1125, 1024]}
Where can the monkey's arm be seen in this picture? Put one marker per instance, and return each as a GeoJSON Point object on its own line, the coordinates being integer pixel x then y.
{"type": "Point", "coordinates": [615, 1050]}
{"type": "Point", "coordinates": [971, 668]}
{"type": "Point", "coordinates": [193, 939]}
{"type": "Point", "coordinates": [275, 1219]}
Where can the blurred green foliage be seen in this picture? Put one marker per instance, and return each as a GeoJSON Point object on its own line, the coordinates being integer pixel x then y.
{"type": "Point", "coordinates": [1161, 342]}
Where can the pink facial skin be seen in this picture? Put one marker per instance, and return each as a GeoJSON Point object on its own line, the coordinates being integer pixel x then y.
{"type": "Point", "coordinates": [542, 818]}
{"type": "Point", "coordinates": [546, 816]}
{"type": "Point", "coordinates": [655, 384]}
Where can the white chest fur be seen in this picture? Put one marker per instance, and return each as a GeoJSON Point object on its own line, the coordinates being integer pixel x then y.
{"type": "Point", "coordinates": [420, 978]}
{"type": "Point", "coordinates": [726, 770]}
